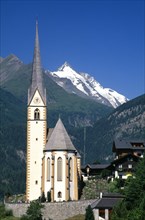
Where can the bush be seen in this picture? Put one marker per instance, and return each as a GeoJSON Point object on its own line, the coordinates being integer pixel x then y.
{"type": "Point", "coordinates": [49, 196]}
{"type": "Point", "coordinates": [4, 213]}
{"type": "Point", "coordinates": [34, 211]}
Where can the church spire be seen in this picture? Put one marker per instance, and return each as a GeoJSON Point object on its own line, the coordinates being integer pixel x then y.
{"type": "Point", "coordinates": [37, 76]}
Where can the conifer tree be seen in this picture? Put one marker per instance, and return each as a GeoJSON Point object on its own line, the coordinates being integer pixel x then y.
{"type": "Point", "coordinates": [89, 213]}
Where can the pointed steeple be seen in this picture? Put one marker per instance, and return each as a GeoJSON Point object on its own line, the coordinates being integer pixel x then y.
{"type": "Point", "coordinates": [37, 76]}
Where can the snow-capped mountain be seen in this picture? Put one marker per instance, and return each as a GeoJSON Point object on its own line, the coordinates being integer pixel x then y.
{"type": "Point", "coordinates": [85, 85]}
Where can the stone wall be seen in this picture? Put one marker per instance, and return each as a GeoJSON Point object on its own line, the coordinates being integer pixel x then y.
{"type": "Point", "coordinates": [54, 211]}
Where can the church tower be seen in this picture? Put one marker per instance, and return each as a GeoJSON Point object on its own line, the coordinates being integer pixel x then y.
{"type": "Point", "coordinates": [36, 127]}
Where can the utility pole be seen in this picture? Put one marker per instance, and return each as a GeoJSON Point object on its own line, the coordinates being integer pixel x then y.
{"type": "Point", "coordinates": [84, 145]}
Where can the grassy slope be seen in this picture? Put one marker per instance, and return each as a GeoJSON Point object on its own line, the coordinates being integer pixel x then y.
{"type": "Point", "coordinates": [77, 217]}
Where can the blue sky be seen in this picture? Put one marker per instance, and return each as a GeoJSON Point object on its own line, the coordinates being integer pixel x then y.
{"type": "Point", "coordinates": [103, 38]}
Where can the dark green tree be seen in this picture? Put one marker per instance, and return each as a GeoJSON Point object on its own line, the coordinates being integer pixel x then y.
{"type": "Point", "coordinates": [42, 198]}
{"type": "Point", "coordinates": [89, 213]}
{"type": "Point", "coordinates": [34, 211]}
{"type": "Point", "coordinates": [133, 206]}
{"type": "Point", "coordinates": [135, 187]}
{"type": "Point", "coordinates": [4, 213]}
{"type": "Point", "coordinates": [119, 212]}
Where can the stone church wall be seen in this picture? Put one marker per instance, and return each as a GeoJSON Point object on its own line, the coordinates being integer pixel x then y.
{"type": "Point", "coordinates": [54, 211]}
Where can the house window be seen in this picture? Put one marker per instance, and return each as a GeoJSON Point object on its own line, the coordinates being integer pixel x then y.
{"type": "Point", "coordinates": [129, 166]}
{"type": "Point", "coordinates": [120, 167]}
{"type": "Point", "coordinates": [70, 169]}
{"type": "Point", "coordinates": [48, 169]}
{"type": "Point", "coordinates": [59, 169]}
{"type": "Point", "coordinates": [59, 195]}
{"type": "Point", "coordinates": [36, 114]}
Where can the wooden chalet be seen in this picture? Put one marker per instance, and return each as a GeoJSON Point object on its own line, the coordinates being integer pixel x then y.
{"type": "Point", "coordinates": [124, 166]}
{"type": "Point", "coordinates": [125, 147]}
{"type": "Point", "coordinates": [91, 170]}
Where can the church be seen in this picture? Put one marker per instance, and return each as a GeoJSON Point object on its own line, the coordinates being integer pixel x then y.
{"type": "Point", "coordinates": [53, 163]}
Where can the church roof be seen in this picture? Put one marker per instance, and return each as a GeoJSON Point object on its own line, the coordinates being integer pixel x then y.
{"type": "Point", "coordinates": [37, 76]}
{"type": "Point", "coordinates": [59, 139]}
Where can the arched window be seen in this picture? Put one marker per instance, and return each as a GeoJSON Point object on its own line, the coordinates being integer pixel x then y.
{"type": "Point", "coordinates": [59, 195]}
{"type": "Point", "coordinates": [36, 114]}
{"type": "Point", "coordinates": [48, 169]}
{"type": "Point", "coordinates": [70, 169]}
{"type": "Point", "coordinates": [59, 169]}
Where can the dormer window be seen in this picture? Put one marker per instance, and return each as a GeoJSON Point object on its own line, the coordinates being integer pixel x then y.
{"type": "Point", "coordinates": [37, 114]}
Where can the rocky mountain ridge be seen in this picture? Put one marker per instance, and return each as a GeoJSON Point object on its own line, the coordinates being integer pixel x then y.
{"type": "Point", "coordinates": [86, 86]}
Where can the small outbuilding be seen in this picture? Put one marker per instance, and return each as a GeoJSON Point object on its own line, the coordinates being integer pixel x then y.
{"type": "Point", "coordinates": [102, 207]}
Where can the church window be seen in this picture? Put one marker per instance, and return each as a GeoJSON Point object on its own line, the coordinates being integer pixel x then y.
{"type": "Point", "coordinates": [36, 182]}
{"type": "Point", "coordinates": [59, 195]}
{"type": "Point", "coordinates": [36, 114]}
{"type": "Point", "coordinates": [48, 169]}
{"type": "Point", "coordinates": [70, 169]}
{"type": "Point", "coordinates": [36, 139]}
{"type": "Point", "coordinates": [59, 169]}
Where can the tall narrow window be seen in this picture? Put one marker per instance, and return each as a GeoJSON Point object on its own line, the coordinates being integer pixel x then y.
{"type": "Point", "coordinates": [48, 169]}
{"type": "Point", "coordinates": [70, 169]}
{"type": "Point", "coordinates": [59, 169]}
{"type": "Point", "coordinates": [36, 114]}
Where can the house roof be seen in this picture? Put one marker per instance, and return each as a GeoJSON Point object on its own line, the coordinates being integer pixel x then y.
{"type": "Point", "coordinates": [112, 195]}
{"type": "Point", "coordinates": [128, 144]}
{"type": "Point", "coordinates": [96, 166]}
{"type": "Point", "coordinates": [105, 203]}
{"type": "Point", "coordinates": [59, 139]}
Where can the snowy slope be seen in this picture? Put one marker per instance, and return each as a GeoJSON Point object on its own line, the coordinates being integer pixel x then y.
{"type": "Point", "coordinates": [85, 85]}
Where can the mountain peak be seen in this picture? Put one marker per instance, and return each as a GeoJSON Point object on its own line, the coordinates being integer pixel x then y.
{"type": "Point", "coordinates": [66, 64]}
{"type": "Point", "coordinates": [13, 57]}
{"type": "Point", "coordinates": [86, 86]}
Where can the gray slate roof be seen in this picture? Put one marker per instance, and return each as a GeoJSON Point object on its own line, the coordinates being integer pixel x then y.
{"type": "Point", "coordinates": [126, 144]}
{"type": "Point", "coordinates": [105, 203]}
{"type": "Point", "coordinates": [37, 77]}
{"type": "Point", "coordinates": [59, 139]}
{"type": "Point", "coordinates": [108, 201]}
{"type": "Point", "coordinates": [96, 166]}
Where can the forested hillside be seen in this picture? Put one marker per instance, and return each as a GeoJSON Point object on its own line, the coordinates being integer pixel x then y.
{"type": "Point", "coordinates": [102, 123]}
{"type": "Point", "coordinates": [127, 121]}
